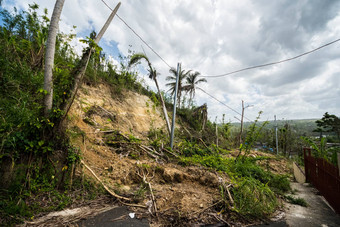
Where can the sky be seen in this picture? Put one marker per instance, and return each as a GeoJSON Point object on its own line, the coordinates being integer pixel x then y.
{"type": "Point", "coordinates": [216, 37]}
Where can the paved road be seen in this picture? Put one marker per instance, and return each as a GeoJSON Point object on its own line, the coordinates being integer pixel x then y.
{"type": "Point", "coordinates": [318, 213]}
{"type": "Point", "coordinates": [116, 217]}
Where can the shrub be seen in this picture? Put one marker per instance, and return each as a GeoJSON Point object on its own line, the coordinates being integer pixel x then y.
{"type": "Point", "coordinates": [253, 198]}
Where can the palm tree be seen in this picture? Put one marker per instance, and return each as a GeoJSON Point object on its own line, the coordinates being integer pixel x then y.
{"type": "Point", "coordinates": [152, 75]}
{"type": "Point", "coordinates": [182, 75]}
{"type": "Point", "coordinates": [191, 84]}
{"type": "Point", "coordinates": [49, 55]}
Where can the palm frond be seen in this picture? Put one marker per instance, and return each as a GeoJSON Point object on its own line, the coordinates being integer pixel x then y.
{"type": "Point", "coordinates": [138, 56]}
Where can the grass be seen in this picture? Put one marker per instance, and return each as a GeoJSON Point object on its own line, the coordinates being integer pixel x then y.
{"type": "Point", "coordinates": [298, 201]}
{"type": "Point", "coordinates": [254, 188]}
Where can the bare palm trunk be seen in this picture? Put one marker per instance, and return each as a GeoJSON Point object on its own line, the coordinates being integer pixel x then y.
{"type": "Point", "coordinates": [80, 72]}
{"type": "Point", "coordinates": [49, 56]}
{"type": "Point", "coordinates": [164, 108]}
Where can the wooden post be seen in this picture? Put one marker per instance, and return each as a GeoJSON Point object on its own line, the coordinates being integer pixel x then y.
{"type": "Point", "coordinates": [339, 162]}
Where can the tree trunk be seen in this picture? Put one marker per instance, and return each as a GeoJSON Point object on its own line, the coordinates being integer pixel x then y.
{"type": "Point", "coordinates": [164, 108]}
{"type": "Point", "coordinates": [80, 72]}
{"type": "Point", "coordinates": [49, 56]}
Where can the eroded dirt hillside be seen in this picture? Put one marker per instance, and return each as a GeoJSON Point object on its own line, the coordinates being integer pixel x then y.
{"type": "Point", "coordinates": [100, 109]}
{"type": "Point", "coordinates": [112, 134]}
{"type": "Point", "coordinates": [106, 129]}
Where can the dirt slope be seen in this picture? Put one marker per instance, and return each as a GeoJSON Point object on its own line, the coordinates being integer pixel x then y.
{"type": "Point", "coordinates": [129, 112]}
{"type": "Point", "coordinates": [104, 128]}
{"type": "Point", "coordinates": [179, 191]}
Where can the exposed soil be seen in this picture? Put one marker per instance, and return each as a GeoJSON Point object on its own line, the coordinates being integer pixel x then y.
{"type": "Point", "coordinates": [182, 194]}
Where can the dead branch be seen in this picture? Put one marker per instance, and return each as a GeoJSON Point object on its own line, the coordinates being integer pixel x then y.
{"type": "Point", "coordinates": [204, 144]}
{"type": "Point", "coordinates": [187, 131]}
{"type": "Point", "coordinates": [145, 181]}
{"type": "Point", "coordinates": [201, 211]}
{"type": "Point", "coordinates": [152, 197]}
{"type": "Point", "coordinates": [119, 218]}
{"type": "Point", "coordinates": [230, 197]}
{"type": "Point", "coordinates": [106, 188]}
{"type": "Point", "coordinates": [152, 150]}
{"type": "Point", "coordinates": [170, 152]}
{"type": "Point", "coordinates": [133, 205]}
{"type": "Point", "coordinates": [148, 152]}
{"type": "Point", "coordinates": [106, 111]}
{"type": "Point", "coordinates": [219, 219]}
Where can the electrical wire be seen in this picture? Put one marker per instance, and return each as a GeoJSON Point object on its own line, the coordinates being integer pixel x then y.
{"type": "Point", "coordinates": [225, 74]}
{"type": "Point", "coordinates": [272, 63]}
{"type": "Point", "coordinates": [224, 104]}
{"type": "Point", "coordinates": [164, 60]}
{"type": "Point", "coordinates": [121, 19]}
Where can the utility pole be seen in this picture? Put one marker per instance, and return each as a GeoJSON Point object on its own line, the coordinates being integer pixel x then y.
{"type": "Point", "coordinates": [216, 132]}
{"type": "Point", "coordinates": [243, 108]}
{"type": "Point", "coordinates": [175, 103]}
{"type": "Point", "coordinates": [82, 65]}
{"type": "Point", "coordinates": [242, 122]}
{"type": "Point", "coordinates": [277, 143]}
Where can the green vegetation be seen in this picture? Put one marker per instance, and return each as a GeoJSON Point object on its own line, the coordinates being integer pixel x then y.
{"type": "Point", "coordinates": [37, 159]}
{"type": "Point", "coordinates": [320, 150]}
{"type": "Point", "coordinates": [36, 156]}
{"type": "Point", "coordinates": [297, 201]}
{"type": "Point", "coordinates": [255, 189]}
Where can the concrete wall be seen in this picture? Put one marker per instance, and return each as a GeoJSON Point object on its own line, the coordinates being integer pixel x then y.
{"type": "Point", "coordinates": [299, 174]}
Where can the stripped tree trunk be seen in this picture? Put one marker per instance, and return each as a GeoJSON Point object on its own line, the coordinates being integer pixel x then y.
{"type": "Point", "coordinates": [49, 56]}
{"type": "Point", "coordinates": [164, 108]}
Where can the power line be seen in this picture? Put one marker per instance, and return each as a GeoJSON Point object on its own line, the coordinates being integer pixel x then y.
{"type": "Point", "coordinates": [273, 63]}
{"type": "Point", "coordinates": [137, 35]}
{"type": "Point", "coordinates": [224, 104]}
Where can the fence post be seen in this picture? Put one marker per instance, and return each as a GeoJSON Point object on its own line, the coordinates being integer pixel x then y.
{"type": "Point", "coordinates": [306, 164]}
{"type": "Point", "coordinates": [339, 162]}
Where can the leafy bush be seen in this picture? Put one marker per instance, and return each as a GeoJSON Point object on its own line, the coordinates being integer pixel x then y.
{"type": "Point", "coordinates": [253, 198]}
{"type": "Point", "coordinates": [249, 169]}
{"type": "Point", "coordinates": [211, 161]}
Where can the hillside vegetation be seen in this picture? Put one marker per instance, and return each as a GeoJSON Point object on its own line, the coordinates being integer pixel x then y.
{"type": "Point", "coordinates": [113, 145]}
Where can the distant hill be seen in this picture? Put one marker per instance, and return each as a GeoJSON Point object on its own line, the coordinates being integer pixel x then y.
{"type": "Point", "coordinates": [303, 127]}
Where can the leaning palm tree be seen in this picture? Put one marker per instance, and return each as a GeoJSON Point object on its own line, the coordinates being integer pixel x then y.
{"type": "Point", "coordinates": [152, 75]}
{"type": "Point", "coordinates": [182, 76]}
{"type": "Point", "coordinates": [191, 84]}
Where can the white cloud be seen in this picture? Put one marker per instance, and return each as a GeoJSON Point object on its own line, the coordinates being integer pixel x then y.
{"type": "Point", "coordinates": [215, 37]}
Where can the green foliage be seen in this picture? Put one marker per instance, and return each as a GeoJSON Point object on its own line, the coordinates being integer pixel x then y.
{"type": "Point", "coordinates": [27, 138]}
{"type": "Point", "coordinates": [189, 149]}
{"type": "Point", "coordinates": [297, 201]}
{"type": "Point", "coordinates": [253, 198]}
{"type": "Point", "coordinates": [254, 188]}
{"type": "Point", "coordinates": [320, 150]}
{"type": "Point", "coordinates": [211, 161]}
{"type": "Point", "coordinates": [252, 135]}
{"type": "Point", "coordinates": [158, 138]}
{"type": "Point", "coordinates": [329, 123]}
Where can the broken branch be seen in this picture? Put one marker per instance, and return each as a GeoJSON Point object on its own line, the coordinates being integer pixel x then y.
{"type": "Point", "coordinates": [106, 188]}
